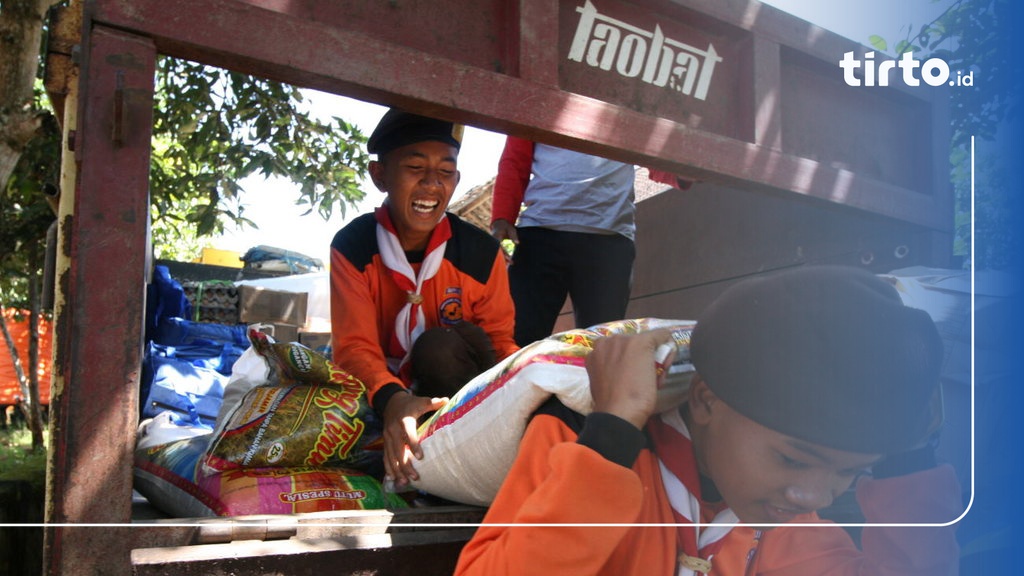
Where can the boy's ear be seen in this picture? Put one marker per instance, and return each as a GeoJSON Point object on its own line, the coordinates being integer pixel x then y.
{"type": "Point", "coordinates": [376, 170]}
{"type": "Point", "coordinates": [701, 400]}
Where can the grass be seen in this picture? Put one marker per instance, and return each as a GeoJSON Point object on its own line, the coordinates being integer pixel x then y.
{"type": "Point", "coordinates": [18, 461]}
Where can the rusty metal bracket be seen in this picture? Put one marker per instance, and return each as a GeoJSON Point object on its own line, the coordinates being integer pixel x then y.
{"type": "Point", "coordinates": [119, 125]}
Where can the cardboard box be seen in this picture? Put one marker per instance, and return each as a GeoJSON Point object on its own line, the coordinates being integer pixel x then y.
{"type": "Point", "coordinates": [318, 341]}
{"type": "Point", "coordinates": [281, 332]}
{"type": "Point", "coordinates": [286, 332]}
{"type": "Point", "coordinates": [258, 304]}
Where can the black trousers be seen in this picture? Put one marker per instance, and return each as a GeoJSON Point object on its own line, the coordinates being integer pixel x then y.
{"type": "Point", "coordinates": [595, 270]}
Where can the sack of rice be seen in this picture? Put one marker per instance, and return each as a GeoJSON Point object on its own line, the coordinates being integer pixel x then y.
{"type": "Point", "coordinates": [470, 443]}
{"type": "Point", "coordinates": [312, 414]}
{"type": "Point", "coordinates": [168, 476]}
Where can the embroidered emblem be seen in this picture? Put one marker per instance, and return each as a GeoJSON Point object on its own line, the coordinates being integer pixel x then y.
{"type": "Point", "coordinates": [451, 311]}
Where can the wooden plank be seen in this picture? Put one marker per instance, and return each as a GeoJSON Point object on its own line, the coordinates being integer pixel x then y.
{"type": "Point", "coordinates": [375, 69]}
{"type": "Point", "coordinates": [411, 541]}
{"type": "Point", "coordinates": [185, 532]}
{"type": "Point", "coordinates": [295, 546]}
{"type": "Point", "coordinates": [95, 414]}
{"type": "Point", "coordinates": [692, 244]}
{"type": "Point", "coordinates": [415, 555]}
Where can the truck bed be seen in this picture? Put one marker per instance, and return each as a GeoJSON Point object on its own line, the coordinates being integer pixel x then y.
{"type": "Point", "coordinates": [420, 541]}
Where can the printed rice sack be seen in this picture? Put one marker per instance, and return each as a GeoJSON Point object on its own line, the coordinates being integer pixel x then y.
{"type": "Point", "coordinates": [298, 425]}
{"type": "Point", "coordinates": [311, 414]}
{"type": "Point", "coordinates": [291, 362]}
{"type": "Point", "coordinates": [470, 443]}
{"type": "Point", "coordinates": [168, 476]}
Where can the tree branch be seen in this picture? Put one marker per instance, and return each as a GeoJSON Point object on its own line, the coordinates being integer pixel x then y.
{"type": "Point", "coordinates": [21, 31]}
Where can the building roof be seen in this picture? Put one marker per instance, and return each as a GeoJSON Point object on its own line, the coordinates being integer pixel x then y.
{"type": "Point", "coordinates": [475, 206]}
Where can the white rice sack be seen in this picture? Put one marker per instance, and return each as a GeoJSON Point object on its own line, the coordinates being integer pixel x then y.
{"type": "Point", "coordinates": [164, 428]}
{"type": "Point", "coordinates": [470, 443]}
{"type": "Point", "coordinates": [249, 371]}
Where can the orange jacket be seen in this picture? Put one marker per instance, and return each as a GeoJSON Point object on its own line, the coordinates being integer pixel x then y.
{"type": "Point", "coordinates": [557, 480]}
{"type": "Point", "coordinates": [471, 285]}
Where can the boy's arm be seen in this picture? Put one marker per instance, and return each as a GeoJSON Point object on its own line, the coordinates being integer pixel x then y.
{"type": "Point", "coordinates": [356, 348]}
{"type": "Point", "coordinates": [560, 478]}
{"type": "Point", "coordinates": [514, 169]}
{"type": "Point", "coordinates": [556, 479]}
{"type": "Point", "coordinates": [669, 178]}
{"type": "Point", "coordinates": [355, 342]}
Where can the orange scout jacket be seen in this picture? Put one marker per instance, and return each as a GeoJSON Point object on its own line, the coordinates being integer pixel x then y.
{"type": "Point", "coordinates": [470, 285]}
{"type": "Point", "coordinates": [556, 479]}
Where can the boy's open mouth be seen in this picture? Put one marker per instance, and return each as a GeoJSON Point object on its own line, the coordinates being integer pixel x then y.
{"type": "Point", "coordinates": [424, 206]}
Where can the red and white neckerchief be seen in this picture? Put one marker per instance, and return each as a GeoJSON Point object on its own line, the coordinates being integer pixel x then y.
{"type": "Point", "coordinates": [681, 478]}
{"type": "Point", "coordinates": [410, 321]}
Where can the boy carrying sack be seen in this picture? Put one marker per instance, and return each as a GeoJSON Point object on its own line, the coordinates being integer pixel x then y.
{"type": "Point", "coordinates": [806, 381]}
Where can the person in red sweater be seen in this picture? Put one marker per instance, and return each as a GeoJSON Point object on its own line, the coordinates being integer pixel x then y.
{"type": "Point", "coordinates": [419, 299]}
{"type": "Point", "coordinates": [571, 217]}
{"type": "Point", "coordinates": [806, 381]}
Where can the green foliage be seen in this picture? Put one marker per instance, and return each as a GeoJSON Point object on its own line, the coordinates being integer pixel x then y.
{"type": "Point", "coordinates": [18, 461]}
{"type": "Point", "coordinates": [24, 214]}
{"type": "Point", "coordinates": [994, 231]}
{"type": "Point", "coordinates": [971, 36]}
{"type": "Point", "coordinates": [508, 246]}
{"type": "Point", "coordinates": [213, 128]}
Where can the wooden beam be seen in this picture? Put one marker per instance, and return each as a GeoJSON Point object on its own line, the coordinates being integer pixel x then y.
{"type": "Point", "coordinates": [347, 62]}
{"type": "Point", "coordinates": [96, 411]}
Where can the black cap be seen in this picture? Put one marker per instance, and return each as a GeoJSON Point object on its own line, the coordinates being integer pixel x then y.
{"type": "Point", "coordinates": [398, 128]}
{"type": "Point", "coordinates": [826, 354]}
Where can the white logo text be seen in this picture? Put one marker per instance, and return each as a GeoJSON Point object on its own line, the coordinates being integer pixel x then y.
{"type": "Point", "coordinates": [606, 43]}
{"type": "Point", "coordinates": [934, 71]}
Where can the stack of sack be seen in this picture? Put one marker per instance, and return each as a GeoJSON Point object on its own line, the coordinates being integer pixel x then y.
{"type": "Point", "coordinates": [301, 437]}
{"type": "Point", "coordinates": [186, 364]}
{"type": "Point", "coordinates": [186, 368]}
{"type": "Point", "coordinates": [296, 433]}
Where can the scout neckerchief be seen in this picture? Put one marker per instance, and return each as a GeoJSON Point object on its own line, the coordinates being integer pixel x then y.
{"type": "Point", "coordinates": [681, 478]}
{"type": "Point", "coordinates": [410, 321]}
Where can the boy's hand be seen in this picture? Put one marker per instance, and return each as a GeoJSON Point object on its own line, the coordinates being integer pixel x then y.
{"type": "Point", "coordinates": [505, 232]}
{"type": "Point", "coordinates": [401, 442]}
{"type": "Point", "coordinates": [502, 229]}
{"type": "Point", "coordinates": [623, 378]}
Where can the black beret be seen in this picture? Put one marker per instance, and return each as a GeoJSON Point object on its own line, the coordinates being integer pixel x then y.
{"type": "Point", "coordinates": [826, 354]}
{"type": "Point", "coordinates": [398, 128]}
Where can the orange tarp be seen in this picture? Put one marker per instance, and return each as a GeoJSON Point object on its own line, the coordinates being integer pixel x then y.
{"type": "Point", "coordinates": [9, 388]}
